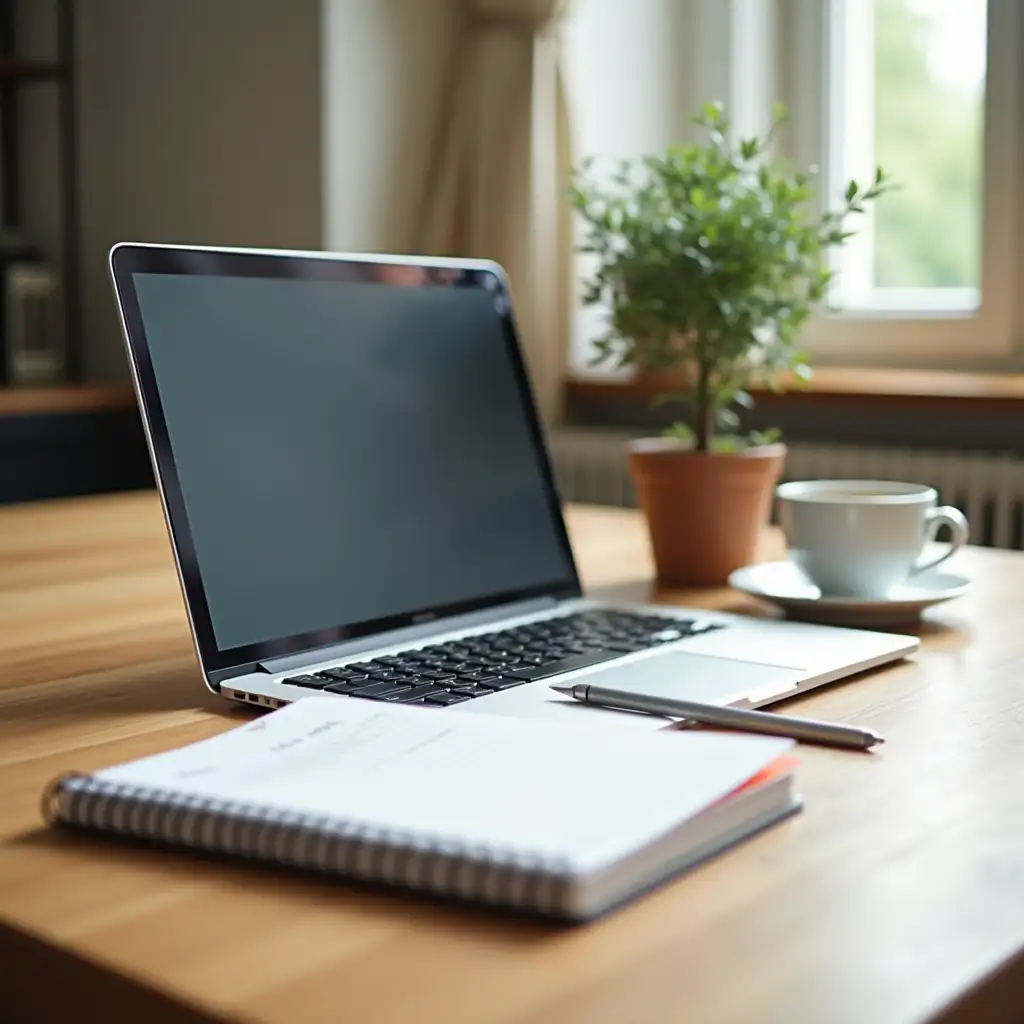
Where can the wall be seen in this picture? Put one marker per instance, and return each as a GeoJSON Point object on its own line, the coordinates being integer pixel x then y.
{"type": "Point", "coordinates": [198, 122]}
{"type": "Point", "coordinates": [387, 71]}
{"type": "Point", "coordinates": [290, 123]}
{"type": "Point", "coordinates": [630, 84]}
{"type": "Point", "coordinates": [629, 78]}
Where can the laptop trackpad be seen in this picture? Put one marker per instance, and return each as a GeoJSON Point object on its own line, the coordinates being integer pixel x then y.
{"type": "Point", "coordinates": [714, 680]}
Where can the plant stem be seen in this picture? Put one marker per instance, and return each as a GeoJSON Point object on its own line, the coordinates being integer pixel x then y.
{"type": "Point", "coordinates": [704, 420]}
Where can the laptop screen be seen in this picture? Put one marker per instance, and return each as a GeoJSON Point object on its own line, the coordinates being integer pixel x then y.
{"type": "Point", "coordinates": [350, 451]}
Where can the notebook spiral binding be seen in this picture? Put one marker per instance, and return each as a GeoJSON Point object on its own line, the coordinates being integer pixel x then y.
{"type": "Point", "coordinates": [351, 849]}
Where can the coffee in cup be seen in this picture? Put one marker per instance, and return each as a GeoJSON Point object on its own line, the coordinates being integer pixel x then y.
{"type": "Point", "coordinates": [860, 538]}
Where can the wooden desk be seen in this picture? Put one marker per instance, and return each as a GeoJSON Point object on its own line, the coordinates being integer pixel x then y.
{"type": "Point", "coordinates": [897, 893]}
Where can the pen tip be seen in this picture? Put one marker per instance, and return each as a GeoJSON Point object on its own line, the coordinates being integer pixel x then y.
{"type": "Point", "coordinates": [562, 688]}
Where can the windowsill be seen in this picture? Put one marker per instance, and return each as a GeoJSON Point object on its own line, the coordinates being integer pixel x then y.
{"type": "Point", "coordinates": [934, 390]}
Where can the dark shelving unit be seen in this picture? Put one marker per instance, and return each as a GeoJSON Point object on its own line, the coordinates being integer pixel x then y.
{"type": "Point", "coordinates": [16, 73]}
{"type": "Point", "coordinates": [74, 438]}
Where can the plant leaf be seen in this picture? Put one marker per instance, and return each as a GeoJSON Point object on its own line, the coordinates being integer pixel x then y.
{"type": "Point", "coordinates": [708, 260]}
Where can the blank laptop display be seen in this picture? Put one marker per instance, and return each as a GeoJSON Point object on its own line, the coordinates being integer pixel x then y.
{"type": "Point", "coordinates": [348, 451]}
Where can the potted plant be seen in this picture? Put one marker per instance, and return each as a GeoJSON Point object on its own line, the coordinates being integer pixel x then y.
{"type": "Point", "coordinates": [708, 263]}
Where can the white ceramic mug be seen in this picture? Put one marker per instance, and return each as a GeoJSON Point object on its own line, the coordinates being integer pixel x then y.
{"type": "Point", "coordinates": [859, 538]}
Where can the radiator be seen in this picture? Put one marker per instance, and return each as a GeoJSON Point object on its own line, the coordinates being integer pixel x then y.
{"type": "Point", "coordinates": [590, 466]}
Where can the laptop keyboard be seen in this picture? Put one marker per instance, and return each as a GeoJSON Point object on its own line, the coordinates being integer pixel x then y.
{"type": "Point", "coordinates": [449, 673]}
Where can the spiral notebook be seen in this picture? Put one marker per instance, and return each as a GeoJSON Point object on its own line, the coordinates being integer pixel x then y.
{"type": "Point", "coordinates": [562, 820]}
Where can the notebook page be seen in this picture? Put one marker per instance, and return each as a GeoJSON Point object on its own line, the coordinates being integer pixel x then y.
{"type": "Point", "coordinates": [571, 792]}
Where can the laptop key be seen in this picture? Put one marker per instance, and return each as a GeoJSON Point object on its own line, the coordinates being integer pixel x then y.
{"type": "Point", "coordinates": [310, 682]}
{"type": "Point", "coordinates": [391, 697]}
{"type": "Point", "coordinates": [502, 683]}
{"type": "Point", "coordinates": [343, 675]}
{"type": "Point", "coordinates": [528, 673]}
{"type": "Point", "coordinates": [417, 693]}
{"type": "Point", "coordinates": [443, 699]}
{"type": "Point", "coordinates": [347, 687]}
{"type": "Point", "coordinates": [477, 677]}
{"type": "Point", "coordinates": [471, 689]}
{"type": "Point", "coordinates": [378, 689]}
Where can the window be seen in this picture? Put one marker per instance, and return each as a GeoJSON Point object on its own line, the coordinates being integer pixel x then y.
{"type": "Point", "coordinates": [930, 89]}
{"type": "Point", "coordinates": [907, 89]}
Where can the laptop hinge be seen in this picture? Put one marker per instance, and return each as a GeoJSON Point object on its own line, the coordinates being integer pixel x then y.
{"type": "Point", "coordinates": [407, 635]}
{"type": "Point", "coordinates": [218, 676]}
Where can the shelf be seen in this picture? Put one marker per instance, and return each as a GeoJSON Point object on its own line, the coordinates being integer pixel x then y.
{"type": "Point", "coordinates": [24, 69]}
{"type": "Point", "coordinates": [18, 401]}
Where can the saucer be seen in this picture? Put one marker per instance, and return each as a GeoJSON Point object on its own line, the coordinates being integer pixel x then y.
{"type": "Point", "coordinates": [783, 584]}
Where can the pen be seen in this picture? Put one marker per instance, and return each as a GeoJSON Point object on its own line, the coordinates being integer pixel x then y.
{"type": "Point", "coordinates": [806, 730]}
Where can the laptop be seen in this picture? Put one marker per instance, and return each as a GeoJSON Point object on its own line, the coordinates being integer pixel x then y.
{"type": "Point", "coordinates": [360, 500]}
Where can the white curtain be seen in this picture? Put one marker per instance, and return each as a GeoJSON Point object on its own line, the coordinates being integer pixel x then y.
{"type": "Point", "coordinates": [499, 187]}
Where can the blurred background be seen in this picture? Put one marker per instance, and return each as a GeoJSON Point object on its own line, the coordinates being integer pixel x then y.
{"type": "Point", "coordinates": [449, 126]}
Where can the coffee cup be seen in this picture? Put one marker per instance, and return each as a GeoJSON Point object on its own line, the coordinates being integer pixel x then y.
{"type": "Point", "coordinates": [860, 538]}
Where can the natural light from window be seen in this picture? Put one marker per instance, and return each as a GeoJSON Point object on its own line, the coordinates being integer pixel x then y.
{"type": "Point", "coordinates": [907, 90]}
{"type": "Point", "coordinates": [932, 90]}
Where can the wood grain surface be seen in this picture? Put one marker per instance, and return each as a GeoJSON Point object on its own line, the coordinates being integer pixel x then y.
{"type": "Point", "coordinates": [895, 896]}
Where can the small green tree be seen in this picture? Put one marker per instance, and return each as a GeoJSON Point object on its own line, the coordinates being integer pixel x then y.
{"type": "Point", "coordinates": [710, 265]}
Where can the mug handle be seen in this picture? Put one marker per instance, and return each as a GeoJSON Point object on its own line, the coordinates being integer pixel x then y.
{"type": "Point", "coordinates": [945, 515]}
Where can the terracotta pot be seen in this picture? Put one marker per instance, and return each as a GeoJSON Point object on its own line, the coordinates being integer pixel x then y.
{"type": "Point", "coordinates": [704, 510]}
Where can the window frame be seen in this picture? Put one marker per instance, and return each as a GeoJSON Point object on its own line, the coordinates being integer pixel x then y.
{"type": "Point", "coordinates": [748, 53]}
{"type": "Point", "coordinates": [988, 337]}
